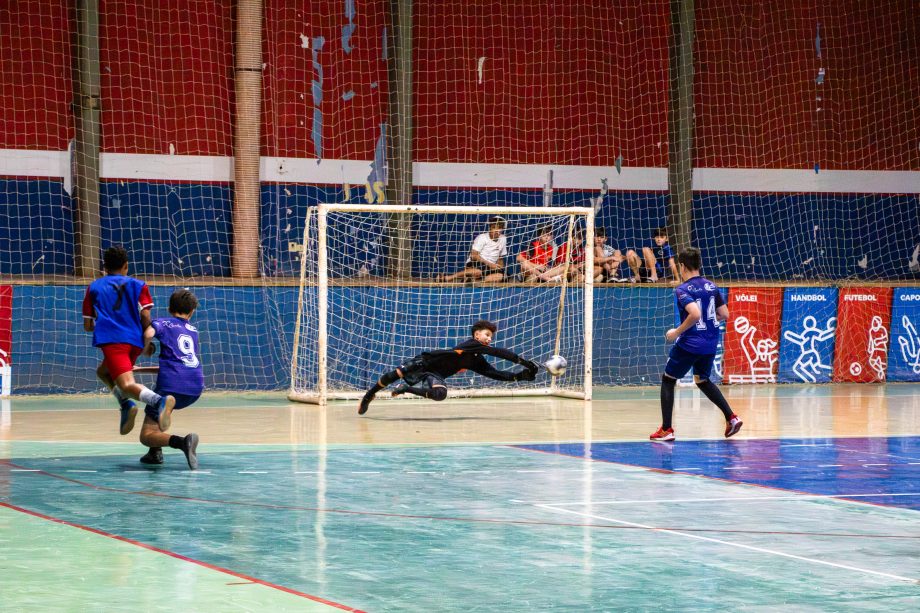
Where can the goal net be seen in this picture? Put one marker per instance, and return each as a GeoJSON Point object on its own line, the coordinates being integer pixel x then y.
{"type": "Point", "coordinates": [377, 287]}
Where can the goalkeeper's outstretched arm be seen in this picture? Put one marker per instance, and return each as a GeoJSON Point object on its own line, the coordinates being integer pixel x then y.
{"type": "Point", "coordinates": [482, 367]}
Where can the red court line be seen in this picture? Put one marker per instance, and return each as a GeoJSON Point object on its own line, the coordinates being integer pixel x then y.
{"type": "Point", "coordinates": [179, 556]}
{"type": "Point", "coordinates": [704, 476]}
{"type": "Point", "coordinates": [475, 520]}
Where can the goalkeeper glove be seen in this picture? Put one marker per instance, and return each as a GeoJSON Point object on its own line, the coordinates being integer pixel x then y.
{"type": "Point", "coordinates": [531, 366]}
{"type": "Point", "coordinates": [526, 375]}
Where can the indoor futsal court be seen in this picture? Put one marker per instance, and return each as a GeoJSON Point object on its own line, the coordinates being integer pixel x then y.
{"type": "Point", "coordinates": [473, 505]}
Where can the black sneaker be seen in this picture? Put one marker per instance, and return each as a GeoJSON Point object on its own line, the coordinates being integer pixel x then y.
{"type": "Point", "coordinates": [365, 403]}
{"type": "Point", "coordinates": [128, 413]}
{"type": "Point", "coordinates": [153, 456]}
{"type": "Point", "coordinates": [189, 448]}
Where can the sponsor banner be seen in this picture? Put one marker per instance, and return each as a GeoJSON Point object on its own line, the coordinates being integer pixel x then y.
{"type": "Point", "coordinates": [717, 367]}
{"type": "Point", "coordinates": [6, 338]}
{"type": "Point", "coordinates": [864, 318]}
{"type": "Point", "coordinates": [904, 353]}
{"type": "Point", "coordinates": [806, 348]}
{"type": "Point", "coordinates": [752, 335]}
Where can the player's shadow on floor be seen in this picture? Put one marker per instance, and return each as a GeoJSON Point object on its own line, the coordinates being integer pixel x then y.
{"type": "Point", "coordinates": [457, 418]}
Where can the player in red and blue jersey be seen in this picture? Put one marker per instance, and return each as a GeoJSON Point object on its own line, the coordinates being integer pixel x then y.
{"type": "Point", "coordinates": [701, 309]}
{"type": "Point", "coordinates": [179, 376]}
{"type": "Point", "coordinates": [116, 309]}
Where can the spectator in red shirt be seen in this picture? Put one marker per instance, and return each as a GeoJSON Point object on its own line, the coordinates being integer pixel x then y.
{"type": "Point", "coordinates": [539, 256]}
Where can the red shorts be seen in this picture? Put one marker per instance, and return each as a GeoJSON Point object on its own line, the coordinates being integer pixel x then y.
{"type": "Point", "coordinates": [119, 358]}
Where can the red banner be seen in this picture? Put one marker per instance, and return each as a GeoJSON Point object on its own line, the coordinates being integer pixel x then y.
{"type": "Point", "coordinates": [864, 318]}
{"type": "Point", "coordinates": [6, 342]}
{"type": "Point", "coordinates": [752, 334]}
{"type": "Point", "coordinates": [6, 325]}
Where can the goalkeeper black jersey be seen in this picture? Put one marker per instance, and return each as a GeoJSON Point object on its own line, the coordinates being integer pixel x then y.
{"type": "Point", "coordinates": [468, 355]}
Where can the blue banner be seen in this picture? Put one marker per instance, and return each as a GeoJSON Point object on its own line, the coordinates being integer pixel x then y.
{"type": "Point", "coordinates": [904, 351]}
{"type": "Point", "coordinates": [806, 347]}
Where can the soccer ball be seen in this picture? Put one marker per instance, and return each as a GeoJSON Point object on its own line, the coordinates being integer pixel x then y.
{"type": "Point", "coordinates": [556, 365]}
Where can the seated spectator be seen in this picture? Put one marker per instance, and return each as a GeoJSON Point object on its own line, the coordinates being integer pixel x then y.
{"type": "Point", "coordinates": [539, 256]}
{"type": "Point", "coordinates": [487, 256]}
{"type": "Point", "coordinates": [607, 260]}
{"type": "Point", "coordinates": [657, 260]}
{"type": "Point", "coordinates": [575, 264]}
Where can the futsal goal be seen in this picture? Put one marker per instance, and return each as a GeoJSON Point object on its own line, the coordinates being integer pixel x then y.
{"type": "Point", "coordinates": [371, 295]}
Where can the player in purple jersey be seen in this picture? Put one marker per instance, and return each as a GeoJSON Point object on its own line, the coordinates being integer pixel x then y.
{"type": "Point", "coordinates": [701, 309]}
{"type": "Point", "coordinates": [179, 376]}
{"type": "Point", "coordinates": [116, 309]}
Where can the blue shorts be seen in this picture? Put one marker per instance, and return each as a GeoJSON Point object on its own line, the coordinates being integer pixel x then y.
{"type": "Point", "coordinates": [680, 361]}
{"type": "Point", "coordinates": [182, 401]}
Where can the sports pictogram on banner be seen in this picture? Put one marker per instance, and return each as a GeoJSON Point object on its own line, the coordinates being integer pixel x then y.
{"type": "Point", "coordinates": [864, 318]}
{"type": "Point", "coordinates": [806, 349]}
{"type": "Point", "coordinates": [6, 339]}
{"type": "Point", "coordinates": [904, 354]}
{"type": "Point", "coordinates": [752, 334]}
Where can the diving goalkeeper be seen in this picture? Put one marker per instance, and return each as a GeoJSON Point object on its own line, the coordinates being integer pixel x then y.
{"type": "Point", "coordinates": [424, 374]}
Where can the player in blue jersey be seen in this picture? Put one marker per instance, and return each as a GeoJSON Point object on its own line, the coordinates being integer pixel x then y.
{"type": "Point", "coordinates": [425, 374]}
{"type": "Point", "coordinates": [180, 376]}
{"type": "Point", "coordinates": [701, 309]}
{"type": "Point", "coordinates": [116, 309]}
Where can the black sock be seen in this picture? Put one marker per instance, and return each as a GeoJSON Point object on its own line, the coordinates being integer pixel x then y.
{"type": "Point", "coordinates": [667, 400]}
{"type": "Point", "coordinates": [176, 442]}
{"type": "Point", "coordinates": [384, 381]}
{"type": "Point", "coordinates": [715, 395]}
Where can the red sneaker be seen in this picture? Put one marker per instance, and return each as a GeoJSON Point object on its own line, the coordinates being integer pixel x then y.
{"type": "Point", "coordinates": [662, 435]}
{"type": "Point", "coordinates": [733, 425]}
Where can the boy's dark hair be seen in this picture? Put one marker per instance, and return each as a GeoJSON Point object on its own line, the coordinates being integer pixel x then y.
{"type": "Point", "coordinates": [690, 258]}
{"type": "Point", "coordinates": [114, 258]}
{"type": "Point", "coordinates": [600, 231]}
{"type": "Point", "coordinates": [498, 220]}
{"type": "Point", "coordinates": [544, 229]}
{"type": "Point", "coordinates": [182, 301]}
{"type": "Point", "coordinates": [483, 324]}
{"type": "Point", "coordinates": [662, 231]}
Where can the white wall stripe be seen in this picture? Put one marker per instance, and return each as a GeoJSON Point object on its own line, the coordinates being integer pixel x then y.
{"type": "Point", "coordinates": [191, 168]}
{"type": "Point", "coordinates": [806, 181]}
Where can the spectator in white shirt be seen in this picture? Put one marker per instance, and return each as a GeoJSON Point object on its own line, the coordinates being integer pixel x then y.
{"type": "Point", "coordinates": [487, 256]}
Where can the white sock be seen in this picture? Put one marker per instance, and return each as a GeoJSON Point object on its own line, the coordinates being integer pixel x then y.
{"type": "Point", "coordinates": [148, 396]}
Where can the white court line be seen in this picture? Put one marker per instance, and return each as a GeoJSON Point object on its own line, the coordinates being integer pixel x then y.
{"type": "Point", "coordinates": [730, 544]}
{"type": "Point", "coordinates": [829, 465]}
{"type": "Point", "coordinates": [875, 464]}
{"type": "Point", "coordinates": [689, 468]}
{"type": "Point", "coordinates": [581, 503]}
{"type": "Point", "coordinates": [25, 470]}
{"type": "Point", "coordinates": [82, 471]}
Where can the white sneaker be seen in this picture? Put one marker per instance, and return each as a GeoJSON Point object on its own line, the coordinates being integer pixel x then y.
{"type": "Point", "coordinates": [733, 425]}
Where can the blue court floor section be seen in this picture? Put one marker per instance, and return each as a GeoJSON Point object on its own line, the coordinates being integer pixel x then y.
{"type": "Point", "coordinates": [484, 528]}
{"type": "Point", "coordinates": [878, 470]}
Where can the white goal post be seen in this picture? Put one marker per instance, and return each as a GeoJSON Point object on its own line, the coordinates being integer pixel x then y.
{"type": "Point", "coordinates": [371, 295]}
